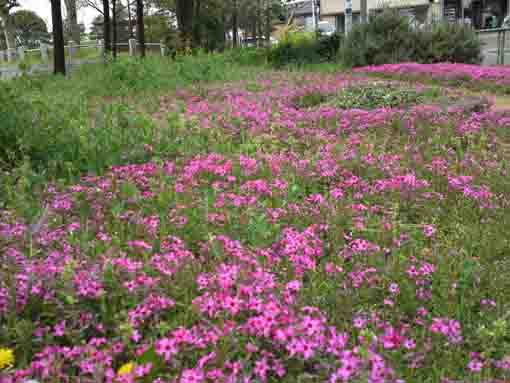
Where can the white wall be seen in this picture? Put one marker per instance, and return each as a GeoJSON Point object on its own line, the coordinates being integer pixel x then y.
{"type": "Point", "coordinates": [332, 7]}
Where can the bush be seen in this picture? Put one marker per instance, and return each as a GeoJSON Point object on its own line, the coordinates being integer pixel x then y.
{"type": "Point", "coordinates": [328, 46]}
{"type": "Point", "coordinates": [301, 48]}
{"type": "Point", "coordinates": [448, 43]}
{"type": "Point", "coordinates": [295, 48]}
{"type": "Point", "coordinates": [14, 114]}
{"type": "Point", "coordinates": [389, 38]}
{"type": "Point", "coordinates": [386, 39]}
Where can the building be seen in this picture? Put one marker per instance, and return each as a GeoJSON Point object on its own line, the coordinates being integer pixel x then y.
{"type": "Point", "coordinates": [419, 11]}
{"type": "Point", "coordinates": [303, 12]}
{"type": "Point", "coordinates": [482, 14]}
{"type": "Point", "coordinates": [479, 13]}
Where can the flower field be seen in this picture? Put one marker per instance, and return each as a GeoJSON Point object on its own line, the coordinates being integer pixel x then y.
{"type": "Point", "coordinates": [287, 237]}
{"type": "Point", "coordinates": [483, 77]}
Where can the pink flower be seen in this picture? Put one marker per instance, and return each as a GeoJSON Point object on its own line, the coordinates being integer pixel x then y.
{"type": "Point", "coordinates": [429, 231]}
{"type": "Point", "coordinates": [475, 365]}
{"type": "Point", "coordinates": [166, 347]}
{"type": "Point", "coordinates": [394, 289]}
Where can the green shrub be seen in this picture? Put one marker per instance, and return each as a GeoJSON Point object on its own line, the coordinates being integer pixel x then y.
{"type": "Point", "coordinates": [389, 38]}
{"type": "Point", "coordinates": [14, 114]}
{"type": "Point", "coordinates": [328, 46]}
{"type": "Point", "coordinates": [446, 42]}
{"type": "Point", "coordinates": [385, 39]}
{"type": "Point", "coordinates": [295, 49]}
{"type": "Point", "coordinates": [300, 48]}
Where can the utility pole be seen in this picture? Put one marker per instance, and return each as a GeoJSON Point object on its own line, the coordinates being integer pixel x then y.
{"type": "Point", "coordinates": [348, 16]}
{"type": "Point", "coordinates": [314, 17]}
{"type": "Point", "coordinates": [363, 11]}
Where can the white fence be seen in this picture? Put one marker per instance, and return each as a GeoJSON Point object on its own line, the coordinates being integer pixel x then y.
{"type": "Point", "coordinates": [72, 51]}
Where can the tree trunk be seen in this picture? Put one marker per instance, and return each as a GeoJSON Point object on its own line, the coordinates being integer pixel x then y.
{"type": "Point", "coordinates": [58, 38]}
{"type": "Point", "coordinates": [197, 35]}
{"type": "Point", "coordinates": [140, 27]}
{"type": "Point", "coordinates": [114, 25]}
{"type": "Point", "coordinates": [130, 20]}
{"type": "Point", "coordinates": [224, 25]}
{"type": "Point", "coordinates": [106, 27]}
{"type": "Point", "coordinates": [9, 30]}
{"type": "Point", "coordinates": [259, 23]}
{"type": "Point", "coordinates": [72, 20]}
{"type": "Point", "coordinates": [184, 10]}
{"type": "Point", "coordinates": [9, 35]}
{"type": "Point", "coordinates": [235, 26]}
{"type": "Point", "coordinates": [268, 22]}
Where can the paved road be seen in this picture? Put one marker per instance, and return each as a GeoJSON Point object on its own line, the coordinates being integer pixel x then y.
{"type": "Point", "coordinates": [490, 41]}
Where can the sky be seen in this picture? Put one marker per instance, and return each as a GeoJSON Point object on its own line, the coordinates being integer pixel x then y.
{"type": "Point", "coordinates": [43, 9]}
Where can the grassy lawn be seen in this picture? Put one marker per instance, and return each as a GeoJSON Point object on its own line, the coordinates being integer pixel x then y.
{"type": "Point", "coordinates": [203, 221]}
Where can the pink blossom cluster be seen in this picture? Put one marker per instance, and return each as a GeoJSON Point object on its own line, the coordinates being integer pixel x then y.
{"type": "Point", "coordinates": [311, 244]}
{"type": "Point", "coordinates": [447, 71]}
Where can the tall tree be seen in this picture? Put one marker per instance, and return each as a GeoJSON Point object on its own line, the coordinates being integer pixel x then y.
{"type": "Point", "coordinates": [58, 38]}
{"type": "Point", "coordinates": [235, 24]}
{"type": "Point", "coordinates": [268, 22]}
{"type": "Point", "coordinates": [259, 21]}
{"type": "Point", "coordinates": [106, 27]}
{"type": "Point", "coordinates": [30, 28]}
{"type": "Point", "coordinates": [197, 23]}
{"type": "Point", "coordinates": [72, 20]}
{"type": "Point", "coordinates": [115, 30]}
{"type": "Point", "coordinates": [130, 18]}
{"type": "Point", "coordinates": [140, 26]}
{"type": "Point", "coordinates": [184, 11]}
{"type": "Point", "coordinates": [6, 7]}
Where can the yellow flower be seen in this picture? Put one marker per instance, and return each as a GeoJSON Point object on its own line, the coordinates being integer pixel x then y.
{"type": "Point", "coordinates": [126, 369]}
{"type": "Point", "coordinates": [6, 358]}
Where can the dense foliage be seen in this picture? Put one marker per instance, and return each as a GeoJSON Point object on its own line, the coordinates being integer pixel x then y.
{"type": "Point", "coordinates": [299, 48]}
{"type": "Point", "coordinates": [389, 38]}
{"type": "Point", "coordinates": [445, 42]}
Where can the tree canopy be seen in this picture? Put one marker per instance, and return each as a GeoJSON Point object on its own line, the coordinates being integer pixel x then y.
{"type": "Point", "coordinates": [30, 28]}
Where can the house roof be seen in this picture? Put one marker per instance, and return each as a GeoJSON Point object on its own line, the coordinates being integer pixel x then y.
{"type": "Point", "coordinates": [302, 9]}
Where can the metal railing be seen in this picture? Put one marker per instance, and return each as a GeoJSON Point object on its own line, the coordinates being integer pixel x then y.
{"type": "Point", "coordinates": [14, 56]}
{"type": "Point", "coordinates": [502, 37]}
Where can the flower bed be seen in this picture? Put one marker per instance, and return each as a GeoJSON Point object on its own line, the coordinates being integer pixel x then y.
{"type": "Point", "coordinates": [499, 75]}
{"type": "Point", "coordinates": [274, 244]}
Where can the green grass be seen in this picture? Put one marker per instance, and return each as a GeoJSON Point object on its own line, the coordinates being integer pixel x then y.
{"type": "Point", "coordinates": [64, 127]}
